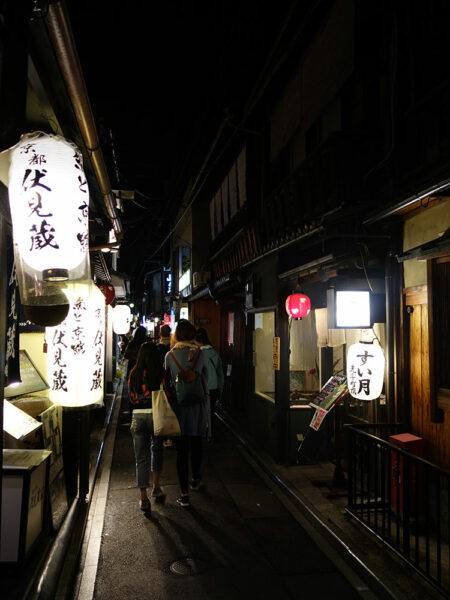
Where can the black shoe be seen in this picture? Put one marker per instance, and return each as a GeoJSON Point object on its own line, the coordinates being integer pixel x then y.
{"type": "Point", "coordinates": [183, 501]}
{"type": "Point", "coordinates": [145, 505]}
{"type": "Point", "coordinates": [196, 484]}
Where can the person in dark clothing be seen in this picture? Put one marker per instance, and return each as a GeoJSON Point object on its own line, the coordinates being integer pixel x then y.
{"type": "Point", "coordinates": [145, 377]}
{"type": "Point", "coordinates": [131, 352]}
{"type": "Point", "coordinates": [215, 373]}
{"type": "Point", "coordinates": [163, 344]}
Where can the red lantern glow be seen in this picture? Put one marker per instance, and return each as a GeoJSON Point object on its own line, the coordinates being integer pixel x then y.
{"type": "Point", "coordinates": [298, 306]}
{"type": "Point", "coordinates": [107, 290]}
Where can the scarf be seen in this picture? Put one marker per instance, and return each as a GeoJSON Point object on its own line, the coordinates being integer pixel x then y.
{"type": "Point", "coordinates": [165, 341]}
{"type": "Point", "coordinates": [192, 345]}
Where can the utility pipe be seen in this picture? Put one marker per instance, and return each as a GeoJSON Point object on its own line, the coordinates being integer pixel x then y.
{"type": "Point", "coordinates": [60, 33]}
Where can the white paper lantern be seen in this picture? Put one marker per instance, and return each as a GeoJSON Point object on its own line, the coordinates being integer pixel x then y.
{"type": "Point", "coordinates": [365, 371]}
{"type": "Point", "coordinates": [121, 319]}
{"type": "Point", "coordinates": [49, 203]}
{"type": "Point", "coordinates": [76, 347]}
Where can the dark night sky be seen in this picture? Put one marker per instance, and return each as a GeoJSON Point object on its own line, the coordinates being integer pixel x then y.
{"type": "Point", "coordinates": [160, 76]}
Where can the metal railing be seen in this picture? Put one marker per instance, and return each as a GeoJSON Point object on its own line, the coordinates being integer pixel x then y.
{"type": "Point", "coordinates": [401, 498]}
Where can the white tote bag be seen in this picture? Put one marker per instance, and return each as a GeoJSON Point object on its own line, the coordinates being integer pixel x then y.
{"type": "Point", "coordinates": [165, 421]}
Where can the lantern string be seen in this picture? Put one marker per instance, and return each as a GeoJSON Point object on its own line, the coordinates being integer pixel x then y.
{"type": "Point", "coordinates": [363, 263]}
{"type": "Point", "coordinates": [376, 337]}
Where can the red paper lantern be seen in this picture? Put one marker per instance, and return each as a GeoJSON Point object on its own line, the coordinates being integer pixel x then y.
{"type": "Point", "coordinates": [107, 290]}
{"type": "Point", "coordinates": [298, 306]}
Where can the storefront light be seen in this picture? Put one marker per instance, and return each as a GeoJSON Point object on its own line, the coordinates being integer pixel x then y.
{"type": "Point", "coordinates": [75, 354]}
{"type": "Point", "coordinates": [121, 319]}
{"type": "Point", "coordinates": [352, 309]}
{"type": "Point", "coordinates": [49, 203]}
{"type": "Point", "coordinates": [298, 306]}
{"type": "Point", "coordinates": [365, 370]}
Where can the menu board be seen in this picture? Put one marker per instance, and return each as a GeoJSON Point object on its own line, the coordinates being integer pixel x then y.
{"type": "Point", "coordinates": [32, 380]}
{"type": "Point", "coordinates": [18, 423]}
{"type": "Point", "coordinates": [333, 389]}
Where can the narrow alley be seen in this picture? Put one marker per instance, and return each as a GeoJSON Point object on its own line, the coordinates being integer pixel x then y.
{"type": "Point", "coordinates": [239, 538]}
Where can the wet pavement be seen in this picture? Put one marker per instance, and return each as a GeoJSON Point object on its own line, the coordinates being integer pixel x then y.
{"type": "Point", "coordinates": [239, 539]}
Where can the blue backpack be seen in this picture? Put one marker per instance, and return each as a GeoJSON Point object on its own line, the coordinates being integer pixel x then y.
{"type": "Point", "coordinates": [188, 384]}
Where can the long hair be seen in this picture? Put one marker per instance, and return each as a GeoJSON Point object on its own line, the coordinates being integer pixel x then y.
{"type": "Point", "coordinates": [148, 362]}
{"type": "Point", "coordinates": [140, 335]}
{"type": "Point", "coordinates": [202, 336]}
{"type": "Point", "coordinates": [185, 331]}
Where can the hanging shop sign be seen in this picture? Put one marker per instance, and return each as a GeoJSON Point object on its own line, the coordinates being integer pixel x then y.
{"type": "Point", "coordinates": [75, 355]}
{"type": "Point", "coordinates": [49, 203]}
{"type": "Point", "coordinates": [365, 371]}
{"type": "Point", "coordinates": [298, 306]}
{"type": "Point", "coordinates": [276, 354]}
{"type": "Point", "coordinates": [121, 319]}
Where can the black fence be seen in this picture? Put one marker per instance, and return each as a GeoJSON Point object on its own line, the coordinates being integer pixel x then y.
{"type": "Point", "coordinates": [401, 498]}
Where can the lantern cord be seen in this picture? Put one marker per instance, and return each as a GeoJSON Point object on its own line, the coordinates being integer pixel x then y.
{"type": "Point", "coordinates": [363, 263]}
{"type": "Point", "coordinates": [376, 337]}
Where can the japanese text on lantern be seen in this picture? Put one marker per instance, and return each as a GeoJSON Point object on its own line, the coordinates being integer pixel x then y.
{"type": "Point", "coordinates": [365, 371]}
{"type": "Point", "coordinates": [97, 375]}
{"type": "Point", "coordinates": [361, 374]}
{"type": "Point", "coordinates": [12, 320]}
{"type": "Point", "coordinates": [38, 189]}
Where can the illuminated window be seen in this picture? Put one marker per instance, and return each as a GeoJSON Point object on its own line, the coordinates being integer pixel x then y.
{"type": "Point", "coordinates": [263, 334]}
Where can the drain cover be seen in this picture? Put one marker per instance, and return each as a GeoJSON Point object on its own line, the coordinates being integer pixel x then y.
{"type": "Point", "coordinates": [188, 566]}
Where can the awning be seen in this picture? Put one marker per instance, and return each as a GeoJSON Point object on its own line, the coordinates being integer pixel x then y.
{"type": "Point", "coordinates": [433, 249]}
{"type": "Point", "coordinates": [121, 285]}
{"type": "Point", "coordinates": [409, 203]}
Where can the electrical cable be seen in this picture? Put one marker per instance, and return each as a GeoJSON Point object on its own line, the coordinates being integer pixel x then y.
{"type": "Point", "coordinates": [363, 264]}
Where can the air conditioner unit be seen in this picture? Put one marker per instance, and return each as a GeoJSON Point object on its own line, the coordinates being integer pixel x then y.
{"type": "Point", "coordinates": [200, 278]}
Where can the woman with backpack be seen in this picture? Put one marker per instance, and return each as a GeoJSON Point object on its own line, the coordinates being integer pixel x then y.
{"type": "Point", "coordinates": [186, 378]}
{"type": "Point", "coordinates": [145, 377]}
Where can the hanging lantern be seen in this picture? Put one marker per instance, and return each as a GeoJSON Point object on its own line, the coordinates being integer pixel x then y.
{"type": "Point", "coordinates": [107, 290]}
{"type": "Point", "coordinates": [49, 203]}
{"type": "Point", "coordinates": [121, 319]}
{"type": "Point", "coordinates": [76, 347]}
{"type": "Point", "coordinates": [298, 306]}
{"type": "Point", "coordinates": [365, 371]}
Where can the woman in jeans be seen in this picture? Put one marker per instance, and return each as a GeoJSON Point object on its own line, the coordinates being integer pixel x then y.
{"type": "Point", "coordinates": [145, 377]}
{"type": "Point", "coordinates": [193, 418]}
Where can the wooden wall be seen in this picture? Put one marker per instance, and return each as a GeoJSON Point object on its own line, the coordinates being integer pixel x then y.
{"type": "Point", "coordinates": [436, 435]}
{"type": "Point", "coordinates": [206, 314]}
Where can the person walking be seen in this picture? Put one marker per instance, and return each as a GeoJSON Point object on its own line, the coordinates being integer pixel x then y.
{"type": "Point", "coordinates": [183, 361]}
{"type": "Point", "coordinates": [215, 373]}
{"type": "Point", "coordinates": [163, 344]}
{"type": "Point", "coordinates": [138, 338]}
{"type": "Point", "coordinates": [145, 377]}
